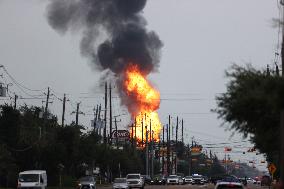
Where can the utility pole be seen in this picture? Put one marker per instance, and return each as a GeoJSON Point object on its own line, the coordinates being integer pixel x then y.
{"type": "Point", "coordinates": [77, 113]}
{"type": "Point", "coordinates": [95, 118]}
{"type": "Point", "coordinates": [135, 124]}
{"type": "Point", "coordinates": [163, 147]}
{"type": "Point", "coordinates": [168, 146]}
{"type": "Point", "coordinates": [110, 114]}
{"type": "Point", "coordinates": [46, 109]}
{"type": "Point", "coordinates": [176, 146]}
{"type": "Point", "coordinates": [142, 131]}
{"type": "Point", "coordinates": [151, 149]}
{"type": "Point", "coordinates": [132, 135]}
{"type": "Point", "coordinates": [182, 131]}
{"type": "Point", "coordinates": [147, 152]}
{"type": "Point", "coordinates": [99, 118]}
{"type": "Point", "coordinates": [105, 118]}
{"type": "Point", "coordinates": [47, 102]}
{"type": "Point", "coordinates": [15, 102]}
{"type": "Point", "coordinates": [63, 110]}
{"type": "Point", "coordinates": [116, 138]}
{"type": "Point", "coordinates": [282, 111]}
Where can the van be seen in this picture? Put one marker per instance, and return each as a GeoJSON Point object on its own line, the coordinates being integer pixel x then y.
{"type": "Point", "coordinates": [33, 179]}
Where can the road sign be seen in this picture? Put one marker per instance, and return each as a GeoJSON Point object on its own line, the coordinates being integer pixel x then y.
{"type": "Point", "coordinates": [272, 168]}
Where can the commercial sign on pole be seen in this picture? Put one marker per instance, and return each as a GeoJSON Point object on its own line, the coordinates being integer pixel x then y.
{"type": "Point", "coordinates": [120, 134]}
{"type": "Point", "coordinates": [195, 151]}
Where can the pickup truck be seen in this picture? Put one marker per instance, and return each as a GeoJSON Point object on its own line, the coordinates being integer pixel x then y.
{"type": "Point", "coordinates": [135, 181]}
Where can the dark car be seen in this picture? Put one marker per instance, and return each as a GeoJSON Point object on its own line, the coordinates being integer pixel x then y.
{"type": "Point", "coordinates": [147, 179]}
{"type": "Point", "coordinates": [158, 180]}
{"type": "Point", "coordinates": [244, 181]}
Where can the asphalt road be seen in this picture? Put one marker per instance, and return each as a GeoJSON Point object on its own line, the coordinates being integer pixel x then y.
{"type": "Point", "coordinates": [207, 186]}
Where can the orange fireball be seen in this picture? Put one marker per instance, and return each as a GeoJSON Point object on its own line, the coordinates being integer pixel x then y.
{"type": "Point", "coordinates": [146, 100]}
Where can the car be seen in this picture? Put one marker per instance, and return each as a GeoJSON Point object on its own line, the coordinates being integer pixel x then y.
{"type": "Point", "coordinates": [180, 180]}
{"type": "Point", "coordinates": [120, 183]}
{"type": "Point", "coordinates": [244, 181]}
{"type": "Point", "coordinates": [229, 185]}
{"type": "Point", "coordinates": [146, 179]}
{"type": "Point", "coordinates": [158, 180]}
{"type": "Point", "coordinates": [135, 181]}
{"type": "Point", "coordinates": [188, 180]}
{"type": "Point", "coordinates": [172, 179]}
{"type": "Point", "coordinates": [251, 181]}
{"type": "Point", "coordinates": [205, 179]}
{"type": "Point", "coordinates": [87, 182]}
{"type": "Point", "coordinates": [197, 179]}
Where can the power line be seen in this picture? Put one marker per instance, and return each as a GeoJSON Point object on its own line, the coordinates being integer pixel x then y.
{"type": "Point", "coordinates": [18, 83]}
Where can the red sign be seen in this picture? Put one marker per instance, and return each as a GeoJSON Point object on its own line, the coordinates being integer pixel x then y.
{"type": "Point", "coordinates": [122, 134]}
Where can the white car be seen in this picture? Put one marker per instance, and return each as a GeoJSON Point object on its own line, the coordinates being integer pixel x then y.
{"type": "Point", "coordinates": [172, 179]}
{"type": "Point", "coordinates": [120, 183]}
{"type": "Point", "coordinates": [251, 181]}
{"type": "Point", "coordinates": [230, 185]}
{"type": "Point", "coordinates": [188, 179]}
{"type": "Point", "coordinates": [135, 181]}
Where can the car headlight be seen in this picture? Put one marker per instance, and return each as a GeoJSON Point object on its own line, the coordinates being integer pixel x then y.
{"type": "Point", "coordinates": [92, 184]}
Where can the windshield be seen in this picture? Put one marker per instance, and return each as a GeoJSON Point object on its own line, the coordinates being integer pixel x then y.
{"type": "Point", "coordinates": [133, 177]}
{"type": "Point", "coordinates": [87, 179]}
{"type": "Point", "coordinates": [197, 177]}
{"type": "Point", "coordinates": [29, 178]}
{"type": "Point", "coordinates": [172, 176]}
{"type": "Point", "coordinates": [229, 186]}
{"type": "Point", "coordinates": [120, 180]}
{"type": "Point", "coordinates": [188, 177]}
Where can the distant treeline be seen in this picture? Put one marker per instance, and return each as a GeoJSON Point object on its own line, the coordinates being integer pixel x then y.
{"type": "Point", "coordinates": [30, 140]}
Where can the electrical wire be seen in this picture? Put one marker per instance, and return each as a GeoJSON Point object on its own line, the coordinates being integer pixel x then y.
{"type": "Point", "coordinates": [16, 82]}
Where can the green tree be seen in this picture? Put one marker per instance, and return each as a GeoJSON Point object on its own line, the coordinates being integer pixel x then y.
{"type": "Point", "coordinates": [251, 105]}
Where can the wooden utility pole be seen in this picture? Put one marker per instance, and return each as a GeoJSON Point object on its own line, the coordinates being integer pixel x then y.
{"type": "Point", "coordinates": [176, 145]}
{"type": "Point", "coordinates": [132, 135]}
{"type": "Point", "coordinates": [99, 118]}
{"type": "Point", "coordinates": [105, 118]}
{"type": "Point", "coordinates": [63, 111]}
{"type": "Point", "coordinates": [116, 137]}
{"type": "Point", "coordinates": [46, 111]}
{"type": "Point", "coordinates": [47, 102]}
{"type": "Point", "coordinates": [110, 114]}
{"type": "Point", "coordinates": [168, 146]}
{"type": "Point", "coordinates": [135, 124]}
{"type": "Point", "coordinates": [142, 131]}
{"type": "Point", "coordinates": [282, 111]}
{"type": "Point", "coordinates": [182, 130]}
{"type": "Point", "coordinates": [15, 101]}
{"type": "Point", "coordinates": [147, 152]}
{"type": "Point", "coordinates": [77, 113]}
{"type": "Point", "coordinates": [163, 147]}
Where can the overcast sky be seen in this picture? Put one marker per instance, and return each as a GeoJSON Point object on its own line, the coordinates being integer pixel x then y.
{"type": "Point", "coordinates": [201, 40]}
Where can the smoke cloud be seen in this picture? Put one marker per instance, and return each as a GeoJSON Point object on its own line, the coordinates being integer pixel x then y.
{"type": "Point", "coordinates": [114, 32]}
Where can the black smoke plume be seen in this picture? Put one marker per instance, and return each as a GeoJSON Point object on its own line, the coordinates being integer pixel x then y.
{"type": "Point", "coordinates": [114, 32]}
